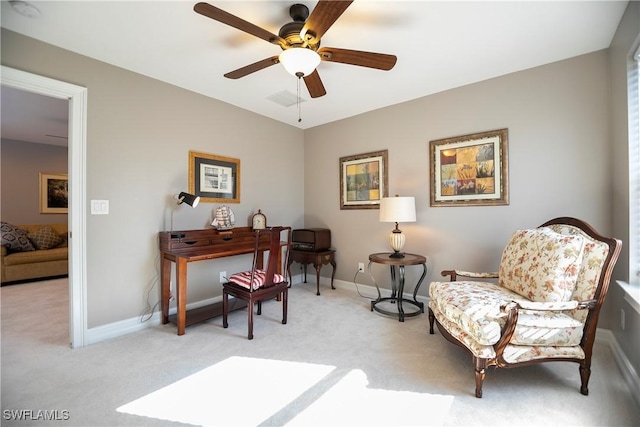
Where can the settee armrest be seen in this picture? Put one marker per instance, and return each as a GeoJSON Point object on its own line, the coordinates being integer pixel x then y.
{"type": "Point", "coordinates": [473, 275]}
{"type": "Point", "coordinates": [554, 306]}
{"type": "Point", "coordinates": [4, 250]}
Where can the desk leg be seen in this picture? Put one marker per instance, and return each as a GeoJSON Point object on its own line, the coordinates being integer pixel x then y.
{"type": "Point", "coordinates": [181, 293]}
{"type": "Point", "coordinates": [165, 288]}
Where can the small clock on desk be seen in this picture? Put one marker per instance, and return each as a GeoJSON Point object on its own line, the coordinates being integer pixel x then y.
{"type": "Point", "coordinates": [259, 221]}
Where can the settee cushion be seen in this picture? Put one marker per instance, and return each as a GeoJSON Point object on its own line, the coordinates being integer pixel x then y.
{"type": "Point", "coordinates": [33, 257]}
{"type": "Point", "coordinates": [542, 265]}
{"type": "Point", "coordinates": [475, 308]}
{"type": "Point", "coordinates": [45, 238]}
{"type": "Point", "coordinates": [14, 238]}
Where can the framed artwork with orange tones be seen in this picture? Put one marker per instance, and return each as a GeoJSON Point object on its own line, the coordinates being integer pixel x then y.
{"type": "Point", "coordinates": [363, 180]}
{"type": "Point", "coordinates": [470, 170]}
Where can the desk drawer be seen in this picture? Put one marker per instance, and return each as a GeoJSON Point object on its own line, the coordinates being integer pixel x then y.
{"type": "Point", "coordinates": [186, 244]}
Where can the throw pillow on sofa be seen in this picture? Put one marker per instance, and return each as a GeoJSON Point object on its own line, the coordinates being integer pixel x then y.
{"type": "Point", "coordinates": [14, 238]}
{"type": "Point", "coordinates": [45, 238]}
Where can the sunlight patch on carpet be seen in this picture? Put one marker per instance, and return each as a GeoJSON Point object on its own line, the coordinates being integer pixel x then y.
{"type": "Point", "coordinates": [220, 394]}
{"type": "Point", "coordinates": [351, 403]}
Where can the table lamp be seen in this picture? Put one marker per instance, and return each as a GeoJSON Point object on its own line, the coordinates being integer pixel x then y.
{"type": "Point", "coordinates": [187, 198]}
{"type": "Point", "coordinates": [397, 209]}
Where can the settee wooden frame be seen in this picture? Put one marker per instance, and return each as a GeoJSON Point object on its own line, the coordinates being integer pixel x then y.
{"type": "Point", "coordinates": [510, 310]}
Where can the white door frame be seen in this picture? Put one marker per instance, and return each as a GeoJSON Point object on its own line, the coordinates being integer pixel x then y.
{"type": "Point", "coordinates": [77, 97]}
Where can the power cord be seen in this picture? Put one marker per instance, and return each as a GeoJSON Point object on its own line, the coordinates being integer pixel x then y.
{"type": "Point", "coordinates": [147, 314]}
{"type": "Point", "coordinates": [356, 285]}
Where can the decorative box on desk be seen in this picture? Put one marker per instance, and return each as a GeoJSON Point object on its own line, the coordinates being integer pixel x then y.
{"type": "Point", "coordinates": [312, 246]}
{"type": "Point", "coordinates": [183, 247]}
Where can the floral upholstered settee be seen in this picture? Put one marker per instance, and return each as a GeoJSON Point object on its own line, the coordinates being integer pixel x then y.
{"type": "Point", "coordinates": [542, 305]}
{"type": "Point", "coordinates": [33, 251]}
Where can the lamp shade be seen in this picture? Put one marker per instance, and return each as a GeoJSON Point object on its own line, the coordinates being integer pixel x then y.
{"type": "Point", "coordinates": [398, 209]}
{"type": "Point", "coordinates": [189, 199]}
{"type": "Point", "coordinates": [299, 61]}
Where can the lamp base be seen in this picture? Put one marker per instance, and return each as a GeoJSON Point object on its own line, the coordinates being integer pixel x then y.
{"type": "Point", "coordinates": [396, 254]}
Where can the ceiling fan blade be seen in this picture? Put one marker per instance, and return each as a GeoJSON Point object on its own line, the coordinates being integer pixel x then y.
{"type": "Point", "coordinates": [380, 61]}
{"type": "Point", "coordinates": [322, 18]}
{"type": "Point", "coordinates": [314, 85]}
{"type": "Point", "coordinates": [226, 18]}
{"type": "Point", "coordinates": [252, 68]}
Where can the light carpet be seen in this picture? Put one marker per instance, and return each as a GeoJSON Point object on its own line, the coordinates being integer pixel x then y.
{"type": "Point", "coordinates": [334, 363]}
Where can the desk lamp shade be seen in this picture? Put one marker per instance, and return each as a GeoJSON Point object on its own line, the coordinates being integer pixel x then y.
{"type": "Point", "coordinates": [397, 209]}
{"type": "Point", "coordinates": [187, 198]}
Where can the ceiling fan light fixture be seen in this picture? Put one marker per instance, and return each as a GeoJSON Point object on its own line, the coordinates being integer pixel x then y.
{"type": "Point", "coordinates": [299, 61]}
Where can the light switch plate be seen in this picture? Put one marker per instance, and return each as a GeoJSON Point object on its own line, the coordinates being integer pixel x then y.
{"type": "Point", "coordinates": [99, 207]}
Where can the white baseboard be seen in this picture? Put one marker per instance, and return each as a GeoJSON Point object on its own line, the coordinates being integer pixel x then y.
{"type": "Point", "coordinates": [626, 368]}
{"type": "Point", "coordinates": [123, 327]}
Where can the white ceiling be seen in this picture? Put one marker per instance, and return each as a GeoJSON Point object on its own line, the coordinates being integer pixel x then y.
{"type": "Point", "coordinates": [439, 44]}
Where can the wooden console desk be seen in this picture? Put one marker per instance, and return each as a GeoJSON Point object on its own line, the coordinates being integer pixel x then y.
{"type": "Point", "coordinates": [183, 247]}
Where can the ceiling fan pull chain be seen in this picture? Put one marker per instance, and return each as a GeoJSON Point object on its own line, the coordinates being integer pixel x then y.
{"type": "Point", "coordinates": [298, 101]}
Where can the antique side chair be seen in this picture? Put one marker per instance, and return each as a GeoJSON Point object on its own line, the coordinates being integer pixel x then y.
{"type": "Point", "coordinates": [258, 284]}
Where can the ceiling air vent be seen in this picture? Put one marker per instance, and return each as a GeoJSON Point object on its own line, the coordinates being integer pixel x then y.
{"type": "Point", "coordinates": [285, 98]}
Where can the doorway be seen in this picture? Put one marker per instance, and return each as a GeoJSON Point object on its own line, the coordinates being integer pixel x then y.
{"type": "Point", "coordinates": [77, 97]}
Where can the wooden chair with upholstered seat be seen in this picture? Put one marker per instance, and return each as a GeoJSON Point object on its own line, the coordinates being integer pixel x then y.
{"type": "Point", "coordinates": [543, 306]}
{"type": "Point", "coordinates": [259, 284]}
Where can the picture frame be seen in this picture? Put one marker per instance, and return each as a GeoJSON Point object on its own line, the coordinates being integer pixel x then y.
{"type": "Point", "coordinates": [54, 193]}
{"type": "Point", "coordinates": [364, 180]}
{"type": "Point", "coordinates": [216, 179]}
{"type": "Point", "coordinates": [470, 170]}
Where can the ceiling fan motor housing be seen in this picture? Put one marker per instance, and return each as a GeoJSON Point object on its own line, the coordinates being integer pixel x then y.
{"type": "Point", "coordinates": [291, 31]}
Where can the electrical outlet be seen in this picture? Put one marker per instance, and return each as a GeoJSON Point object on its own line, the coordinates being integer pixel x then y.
{"type": "Point", "coordinates": [622, 319]}
{"type": "Point", "coordinates": [361, 266]}
{"type": "Point", "coordinates": [223, 276]}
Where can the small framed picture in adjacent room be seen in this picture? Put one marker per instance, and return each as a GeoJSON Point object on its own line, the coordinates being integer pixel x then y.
{"type": "Point", "coordinates": [54, 193]}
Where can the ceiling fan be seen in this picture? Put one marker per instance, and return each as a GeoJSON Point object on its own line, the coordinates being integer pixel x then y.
{"type": "Point", "coordinates": [300, 43]}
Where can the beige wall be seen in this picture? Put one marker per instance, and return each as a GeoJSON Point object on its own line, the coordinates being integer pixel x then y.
{"type": "Point", "coordinates": [139, 133]}
{"type": "Point", "coordinates": [559, 165]}
{"type": "Point", "coordinates": [21, 165]}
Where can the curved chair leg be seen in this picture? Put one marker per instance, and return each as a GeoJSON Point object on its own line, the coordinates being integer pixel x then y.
{"type": "Point", "coordinates": [480, 366]}
{"type": "Point", "coordinates": [585, 374]}
{"type": "Point", "coordinates": [432, 318]}
{"type": "Point", "coordinates": [225, 309]}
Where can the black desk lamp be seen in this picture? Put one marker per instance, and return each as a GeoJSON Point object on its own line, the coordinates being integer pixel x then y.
{"type": "Point", "coordinates": [190, 200]}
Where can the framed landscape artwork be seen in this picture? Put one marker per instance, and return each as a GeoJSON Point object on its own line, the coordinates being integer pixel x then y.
{"type": "Point", "coordinates": [363, 180]}
{"type": "Point", "coordinates": [216, 179]}
{"type": "Point", "coordinates": [54, 193]}
{"type": "Point", "coordinates": [470, 170]}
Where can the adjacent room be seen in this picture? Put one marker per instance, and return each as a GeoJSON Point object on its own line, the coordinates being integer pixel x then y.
{"type": "Point", "coordinates": [150, 151]}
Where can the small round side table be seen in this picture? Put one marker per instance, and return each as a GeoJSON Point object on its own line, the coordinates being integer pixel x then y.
{"type": "Point", "coordinates": [397, 283]}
